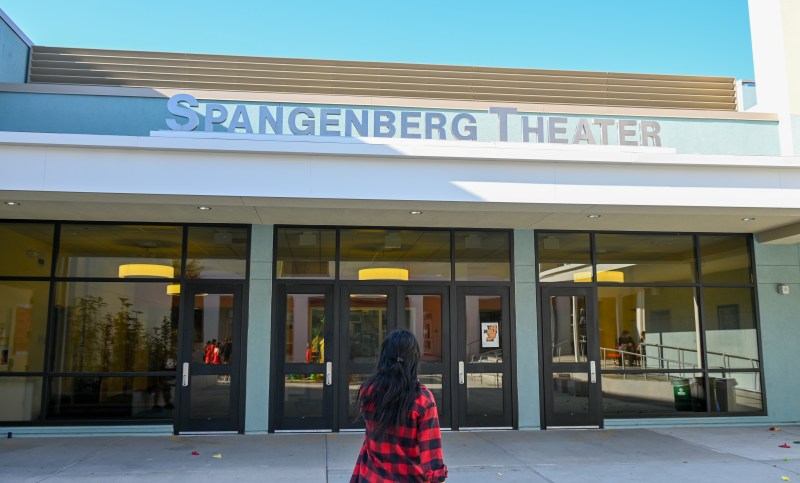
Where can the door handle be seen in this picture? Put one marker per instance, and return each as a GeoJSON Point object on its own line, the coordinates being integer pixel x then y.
{"type": "Point", "coordinates": [328, 373]}
{"type": "Point", "coordinates": [593, 372]}
{"type": "Point", "coordinates": [461, 372]}
{"type": "Point", "coordinates": [185, 377]}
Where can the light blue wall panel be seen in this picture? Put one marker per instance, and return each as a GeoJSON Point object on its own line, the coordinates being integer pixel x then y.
{"type": "Point", "coordinates": [14, 53]}
{"type": "Point", "coordinates": [131, 116]}
{"type": "Point", "coordinates": [527, 349]}
{"type": "Point", "coordinates": [259, 330]}
{"type": "Point", "coordinates": [79, 114]}
{"type": "Point", "coordinates": [780, 328]}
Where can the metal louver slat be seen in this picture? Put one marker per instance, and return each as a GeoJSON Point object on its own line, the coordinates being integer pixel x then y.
{"type": "Point", "coordinates": [352, 78]}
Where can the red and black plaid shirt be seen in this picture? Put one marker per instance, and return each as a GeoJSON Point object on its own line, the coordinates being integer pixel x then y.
{"type": "Point", "coordinates": [412, 452]}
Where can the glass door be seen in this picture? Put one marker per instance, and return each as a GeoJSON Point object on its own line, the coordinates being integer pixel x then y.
{"type": "Point", "coordinates": [368, 315]}
{"type": "Point", "coordinates": [571, 358]}
{"type": "Point", "coordinates": [425, 311]}
{"type": "Point", "coordinates": [482, 366]}
{"type": "Point", "coordinates": [210, 357]}
{"type": "Point", "coordinates": [305, 358]}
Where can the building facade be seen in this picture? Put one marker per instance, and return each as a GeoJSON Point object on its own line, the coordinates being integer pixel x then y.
{"type": "Point", "coordinates": [198, 243]}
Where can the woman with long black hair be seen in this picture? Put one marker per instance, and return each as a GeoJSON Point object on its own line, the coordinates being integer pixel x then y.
{"type": "Point", "coordinates": [402, 442]}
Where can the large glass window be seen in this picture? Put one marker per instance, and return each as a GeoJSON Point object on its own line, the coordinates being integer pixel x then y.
{"type": "Point", "coordinates": [564, 257]}
{"type": "Point", "coordinates": [26, 249]}
{"type": "Point", "coordinates": [649, 327]}
{"type": "Point", "coordinates": [645, 258]}
{"type": "Point", "coordinates": [23, 322]}
{"type": "Point", "coordinates": [305, 253]}
{"type": "Point", "coordinates": [217, 252]}
{"type": "Point", "coordinates": [731, 335]}
{"type": "Point", "coordinates": [725, 259]}
{"type": "Point", "coordinates": [671, 342]}
{"type": "Point", "coordinates": [112, 297]}
{"type": "Point", "coordinates": [483, 256]}
{"type": "Point", "coordinates": [22, 397]}
{"type": "Point", "coordinates": [114, 327]}
{"type": "Point", "coordinates": [373, 254]}
{"type": "Point", "coordinates": [120, 251]}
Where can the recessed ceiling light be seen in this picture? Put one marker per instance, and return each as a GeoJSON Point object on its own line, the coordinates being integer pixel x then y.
{"type": "Point", "coordinates": [748, 218]}
{"type": "Point", "coordinates": [415, 212]}
{"type": "Point", "coordinates": [593, 216]}
{"type": "Point", "coordinates": [13, 203]}
{"type": "Point", "coordinates": [203, 208]}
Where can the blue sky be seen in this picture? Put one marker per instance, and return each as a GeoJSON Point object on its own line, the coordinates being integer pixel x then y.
{"type": "Point", "coordinates": [694, 37]}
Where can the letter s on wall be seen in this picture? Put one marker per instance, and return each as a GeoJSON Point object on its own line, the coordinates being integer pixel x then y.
{"type": "Point", "coordinates": [174, 107]}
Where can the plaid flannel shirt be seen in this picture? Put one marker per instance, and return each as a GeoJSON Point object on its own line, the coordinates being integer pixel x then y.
{"type": "Point", "coordinates": [410, 453]}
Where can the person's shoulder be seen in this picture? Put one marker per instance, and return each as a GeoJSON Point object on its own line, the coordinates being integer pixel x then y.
{"type": "Point", "coordinates": [425, 396]}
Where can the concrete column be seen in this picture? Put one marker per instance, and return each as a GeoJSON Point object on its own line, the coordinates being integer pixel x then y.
{"type": "Point", "coordinates": [527, 350]}
{"type": "Point", "coordinates": [776, 43]}
{"type": "Point", "coordinates": [259, 330]}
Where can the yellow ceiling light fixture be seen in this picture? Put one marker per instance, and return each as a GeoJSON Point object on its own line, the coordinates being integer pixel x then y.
{"type": "Point", "coordinates": [174, 289]}
{"type": "Point", "coordinates": [614, 276]}
{"type": "Point", "coordinates": [153, 270]}
{"type": "Point", "coordinates": [146, 270]}
{"type": "Point", "coordinates": [383, 274]}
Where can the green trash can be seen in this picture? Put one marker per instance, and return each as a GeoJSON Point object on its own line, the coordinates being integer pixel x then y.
{"type": "Point", "coordinates": [683, 397]}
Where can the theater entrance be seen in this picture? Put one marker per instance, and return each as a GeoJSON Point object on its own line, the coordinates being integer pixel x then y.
{"type": "Point", "coordinates": [329, 344]}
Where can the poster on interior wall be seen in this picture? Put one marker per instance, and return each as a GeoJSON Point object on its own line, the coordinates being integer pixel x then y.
{"type": "Point", "coordinates": [490, 335]}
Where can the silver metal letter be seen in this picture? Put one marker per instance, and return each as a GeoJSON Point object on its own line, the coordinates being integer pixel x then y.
{"type": "Point", "coordinates": [174, 107]}
{"type": "Point", "coordinates": [325, 122]}
{"type": "Point", "coordinates": [502, 113]}
{"type": "Point", "coordinates": [275, 122]}
{"type": "Point", "coordinates": [244, 123]}
{"type": "Point", "coordinates": [406, 123]}
{"type": "Point", "coordinates": [378, 124]}
{"type": "Point", "coordinates": [437, 121]}
{"type": "Point", "coordinates": [538, 129]}
{"type": "Point", "coordinates": [650, 130]}
{"type": "Point", "coordinates": [604, 124]}
{"type": "Point", "coordinates": [471, 129]}
{"type": "Point", "coordinates": [215, 114]}
{"type": "Point", "coordinates": [308, 123]}
{"type": "Point", "coordinates": [583, 132]}
{"type": "Point", "coordinates": [552, 130]}
{"type": "Point", "coordinates": [625, 131]}
{"type": "Point", "coordinates": [351, 121]}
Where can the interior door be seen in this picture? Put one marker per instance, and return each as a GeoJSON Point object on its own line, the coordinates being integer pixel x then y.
{"type": "Point", "coordinates": [305, 353]}
{"type": "Point", "coordinates": [571, 358]}
{"type": "Point", "coordinates": [210, 358]}
{"type": "Point", "coordinates": [482, 365]}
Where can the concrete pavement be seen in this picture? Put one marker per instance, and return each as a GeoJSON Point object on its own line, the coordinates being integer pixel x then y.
{"type": "Point", "coordinates": [707, 454]}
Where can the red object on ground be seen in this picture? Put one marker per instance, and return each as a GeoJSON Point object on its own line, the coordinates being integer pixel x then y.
{"type": "Point", "coordinates": [195, 453]}
{"type": "Point", "coordinates": [784, 445]}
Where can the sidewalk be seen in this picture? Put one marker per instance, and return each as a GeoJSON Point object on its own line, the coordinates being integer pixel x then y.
{"type": "Point", "coordinates": [730, 454]}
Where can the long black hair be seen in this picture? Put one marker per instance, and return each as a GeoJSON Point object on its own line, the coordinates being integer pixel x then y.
{"type": "Point", "coordinates": [386, 398]}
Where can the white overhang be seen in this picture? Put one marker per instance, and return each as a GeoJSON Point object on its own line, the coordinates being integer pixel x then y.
{"type": "Point", "coordinates": [284, 179]}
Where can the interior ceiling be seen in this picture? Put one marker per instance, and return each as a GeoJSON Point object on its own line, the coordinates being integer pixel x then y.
{"type": "Point", "coordinates": [248, 210]}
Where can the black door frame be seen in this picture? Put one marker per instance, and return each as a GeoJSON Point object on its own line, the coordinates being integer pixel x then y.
{"type": "Point", "coordinates": [452, 410]}
{"type": "Point", "coordinates": [326, 422]}
{"type": "Point", "coordinates": [594, 417]}
{"type": "Point", "coordinates": [183, 423]}
{"type": "Point", "coordinates": [459, 350]}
